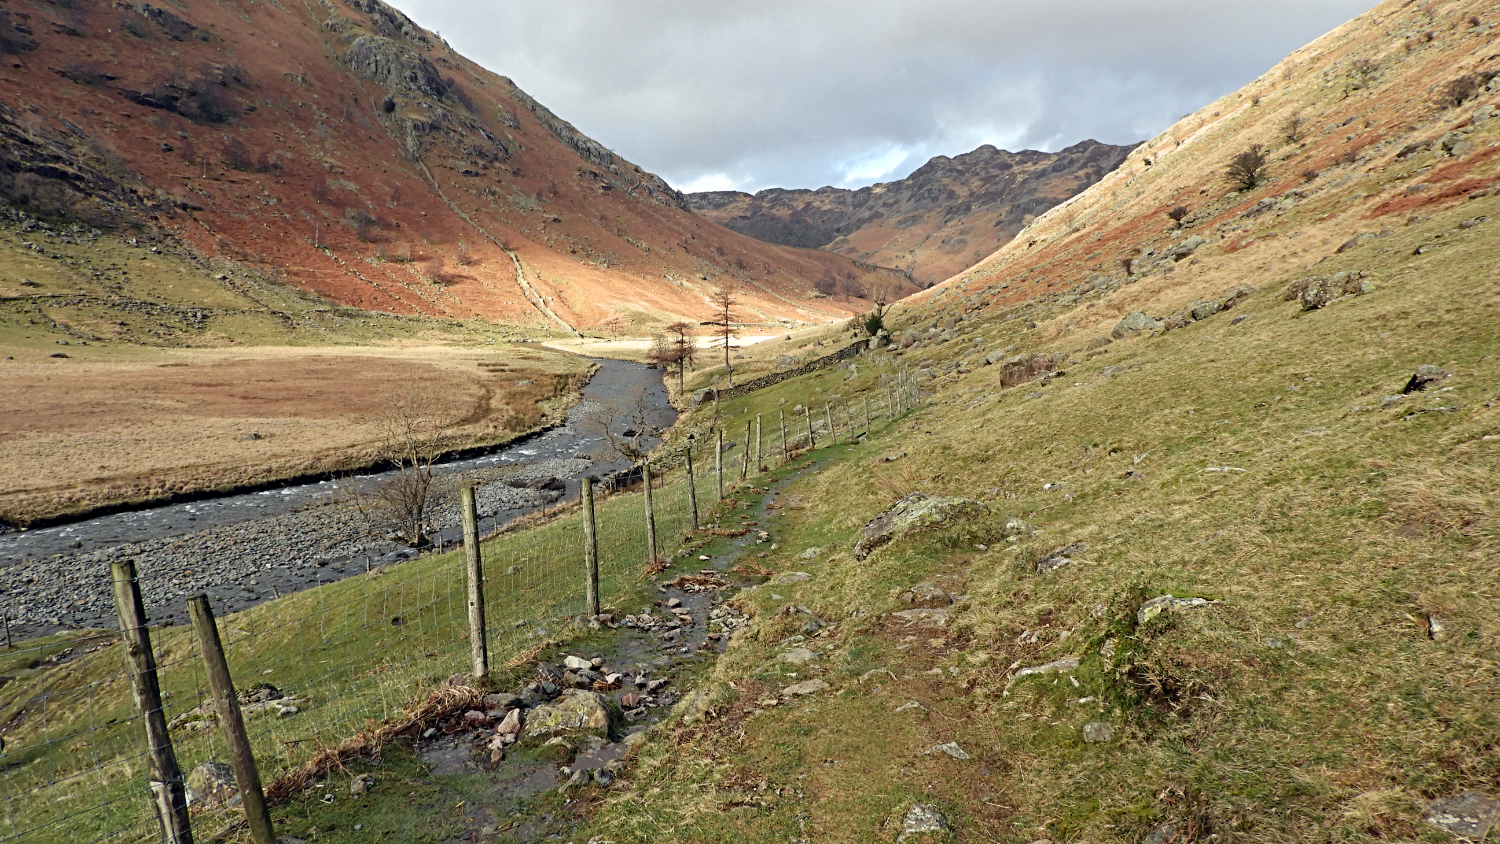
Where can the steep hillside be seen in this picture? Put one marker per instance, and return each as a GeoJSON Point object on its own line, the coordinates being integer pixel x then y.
{"type": "Point", "coordinates": [348, 151]}
{"type": "Point", "coordinates": [942, 218]}
{"type": "Point", "coordinates": [1235, 573]}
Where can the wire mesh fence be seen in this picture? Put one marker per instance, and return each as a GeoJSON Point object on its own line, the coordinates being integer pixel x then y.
{"type": "Point", "coordinates": [316, 667]}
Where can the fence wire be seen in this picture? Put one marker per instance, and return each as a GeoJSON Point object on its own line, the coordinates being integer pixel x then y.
{"type": "Point", "coordinates": [318, 666]}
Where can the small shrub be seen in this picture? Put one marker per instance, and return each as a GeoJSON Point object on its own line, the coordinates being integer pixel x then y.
{"type": "Point", "coordinates": [1295, 129]}
{"type": "Point", "coordinates": [1309, 174]}
{"type": "Point", "coordinates": [463, 257]}
{"type": "Point", "coordinates": [85, 73]}
{"type": "Point", "coordinates": [237, 156]}
{"type": "Point", "coordinates": [1248, 168]}
{"type": "Point", "coordinates": [1463, 89]}
{"type": "Point", "coordinates": [1178, 214]}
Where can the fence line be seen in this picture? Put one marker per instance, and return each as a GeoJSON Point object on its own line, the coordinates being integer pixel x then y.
{"type": "Point", "coordinates": [318, 666]}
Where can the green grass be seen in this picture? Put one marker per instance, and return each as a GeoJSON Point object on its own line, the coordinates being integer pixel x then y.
{"type": "Point", "coordinates": [1311, 703]}
{"type": "Point", "coordinates": [356, 652]}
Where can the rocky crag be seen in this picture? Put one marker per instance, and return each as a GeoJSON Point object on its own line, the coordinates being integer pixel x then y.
{"type": "Point", "coordinates": [947, 215]}
{"type": "Point", "coordinates": [344, 149]}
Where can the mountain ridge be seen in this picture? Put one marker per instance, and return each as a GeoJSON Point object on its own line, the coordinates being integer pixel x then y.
{"type": "Point", "coordinates": [348, 151]}
{"type": "Point", "coordinates": [947, 214]}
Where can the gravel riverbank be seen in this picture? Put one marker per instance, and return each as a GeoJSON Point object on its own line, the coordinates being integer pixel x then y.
{"type": "Point", "coordinates": [245, 564]}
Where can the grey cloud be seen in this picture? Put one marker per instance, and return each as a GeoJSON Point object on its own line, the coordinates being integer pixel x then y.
{"type": "Point", "coordinates": [791, 94]}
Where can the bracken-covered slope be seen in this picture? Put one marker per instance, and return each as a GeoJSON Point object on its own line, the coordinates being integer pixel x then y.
{"type": "Point", "coordinates": [354, 154]}
{"type": "Point", "coordinates": [945, 216]}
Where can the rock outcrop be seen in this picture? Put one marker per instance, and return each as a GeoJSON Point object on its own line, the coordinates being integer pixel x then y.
{"type": "Point", "coordinates": [916, 512]}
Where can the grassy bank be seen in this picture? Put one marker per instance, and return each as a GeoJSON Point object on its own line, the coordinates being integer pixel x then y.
{"type": "Point", "coordinates": [1341, 674]}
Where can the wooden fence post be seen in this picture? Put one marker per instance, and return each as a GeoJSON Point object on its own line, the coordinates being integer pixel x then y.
{"type": "Point", "coordinates": [786, 454]}
{"type": "Point", "coordinates": [692, 489]}
{"type": "Point", "coordinates": [812, 441]}
{"type": "Point", "coordinates": [828, 414]}
{"type": "Point", "coordinates": [590, 551]}
{"type": "Point", "coordinates": [231, 721]}
{"type": "Point", "coordinates": [745, 462]}
{"type": "Point", "coordinates": [168, 794]}
{"type": "Point", "coordinates": [719, 460]}
{"type": "Point", "coordinates": [758, 465]}
{"type": "Point", "coordinates": [479, 651]}
{"type": "Point", "coordinates": [650, 515]}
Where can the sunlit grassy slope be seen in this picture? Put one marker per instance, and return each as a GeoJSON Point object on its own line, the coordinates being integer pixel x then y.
{"type": "Point", "coordinates": [1344, 674]}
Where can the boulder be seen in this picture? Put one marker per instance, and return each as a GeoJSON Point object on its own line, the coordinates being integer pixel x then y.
{"type": "Point", "coordinates": [1470, 814]}
{"type": "Point", "coordinates": [797, 656]}
{"type": "Point", "coordinates": [928, 592]}
{"type": "Point", "coordinates": [1134, 323]}
{"type": "Point", "coordinates": [211, 783]}
{"type": "Point", "coordinates": [1156, 606]}
{"type": "Point", "coordinates": [1186, 248]}
{"type": "Point", "coordinates": [1019, 527]}
{"type": "Point", "coordinates": [915, 512]}
{"type": "Point", "coordinates": [556, 750]}
{"type": "Point", "coordinates": [1059, 558]}
{"type": "Point", "coordinates": [577, 714]}
{"type": "Point", "coordinates": [1097, 732]}
{"type": "Point", "coordinates": [706, 394]}
{"type": "Point", "coordinates": [1425, 376]}
{"type": "Point", "coordinates": [1315, 293]}
{"type": "Point", "coordinates": [792, 577]}
{"type": "Point", "coordinates": [922, 819]}
{"type": "Point", "coordinates": [1204, 310]}
{"type": "Point", "coordinates": [511, 726]}
{"type": "Point", "coordinates": [806, 687]}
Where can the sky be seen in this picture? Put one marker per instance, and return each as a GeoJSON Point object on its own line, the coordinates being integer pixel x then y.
{"type": "Point", "coordinates": [716, 95]}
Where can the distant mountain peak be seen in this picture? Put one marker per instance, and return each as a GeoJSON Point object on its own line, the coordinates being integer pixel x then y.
{"type": "Point", "coordinates": [947, 215]}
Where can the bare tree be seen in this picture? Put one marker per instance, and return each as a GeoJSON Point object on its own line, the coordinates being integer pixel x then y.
{"type": "Point", "coordinates": [1178, 214]}
{"type": "Point", "coordinates": [405, 499]}
{"type": "Point", "coordinates": [1295, 128]}
{"type": "Point", "coordinates": [723, 323]}
{"type": "Point", "coordinates": [675, 349]}
{"type": "Point", "coordinates": [625, 428]}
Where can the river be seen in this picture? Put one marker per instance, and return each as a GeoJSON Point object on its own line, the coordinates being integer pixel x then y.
{"type": "Point", "coordinates": [244, 549]}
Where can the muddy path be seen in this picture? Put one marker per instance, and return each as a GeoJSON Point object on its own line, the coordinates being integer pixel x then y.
{"type": "Point", "coordinates": [655, 649]}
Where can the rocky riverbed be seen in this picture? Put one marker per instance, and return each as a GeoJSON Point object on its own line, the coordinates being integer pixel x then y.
{"type": "Point", "coordinates": [244, 564]}
{"type": "Point", "coordinates": [246, 549]}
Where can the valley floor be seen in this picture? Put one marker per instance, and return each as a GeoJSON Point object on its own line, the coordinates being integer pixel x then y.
{"type": "Point", "coordinates": [96, 429]}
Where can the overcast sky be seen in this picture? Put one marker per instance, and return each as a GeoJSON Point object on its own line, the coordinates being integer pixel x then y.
{"type": "Point", "coordinates": [716, 95]}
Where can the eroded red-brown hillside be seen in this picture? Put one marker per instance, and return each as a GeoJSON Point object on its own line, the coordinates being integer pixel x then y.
{"type": "Point", "coordinates": [354, 154]}
{"type": "Point", "coordinates": [1370, 129]}
{"type": "Point", "coordinates": [942, 218]}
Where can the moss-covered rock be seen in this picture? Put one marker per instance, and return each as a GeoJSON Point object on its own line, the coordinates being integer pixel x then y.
{"type": "Point", "coordinates": [577, 714]}
{"type": "Point", "coordinates": [915, 512]}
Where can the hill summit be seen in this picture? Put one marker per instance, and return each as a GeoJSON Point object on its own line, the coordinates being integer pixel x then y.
{"type": "Point", "coordinates": [945, 216]}
{"type": "Point", "coordinates": [343, 148]}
